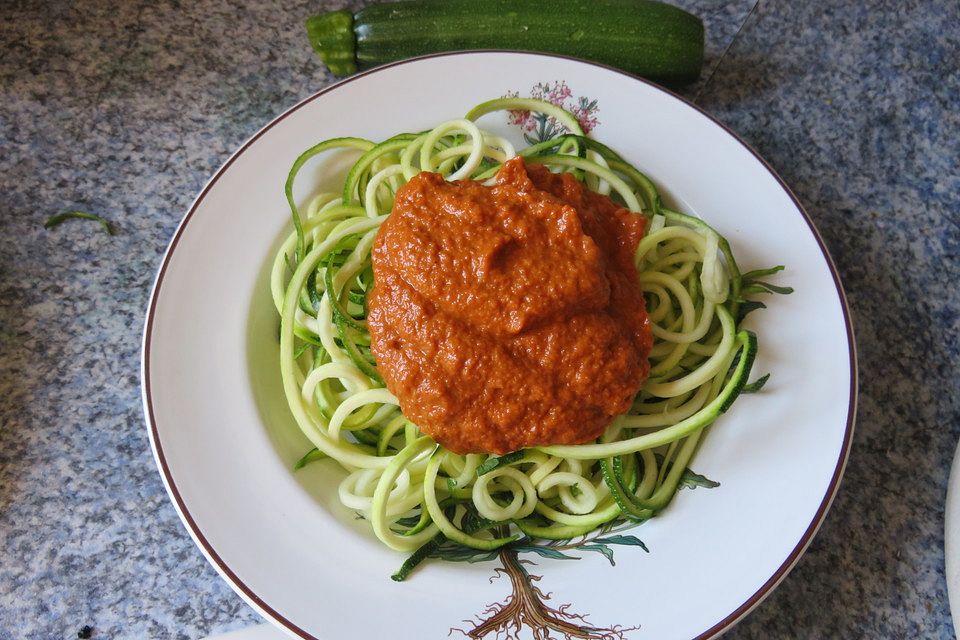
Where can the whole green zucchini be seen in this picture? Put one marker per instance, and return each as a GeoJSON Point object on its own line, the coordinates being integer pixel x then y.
{"type": "Point", "coordinates": [647, 38]}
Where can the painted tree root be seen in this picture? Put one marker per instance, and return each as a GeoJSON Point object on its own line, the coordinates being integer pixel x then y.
{"type": "Point", "coordinates": [526, 606]}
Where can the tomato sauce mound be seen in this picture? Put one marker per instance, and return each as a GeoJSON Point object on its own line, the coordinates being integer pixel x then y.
{"type": "Point", "coordinates": [508, 316]}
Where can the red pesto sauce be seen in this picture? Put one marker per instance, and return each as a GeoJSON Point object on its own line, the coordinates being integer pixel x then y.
{"type": "Point", "coordinates": [509, 316]}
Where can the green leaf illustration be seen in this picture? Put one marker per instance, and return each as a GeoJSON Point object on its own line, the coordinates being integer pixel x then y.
{"type": "Point", "coordinates": [460, 553]}
{"type": "Point", "coordinates": [546, 552]}
{"type": "Point", "coordinates": [600, 548]}
{"type": "Point", "coordinates": [618, 539]}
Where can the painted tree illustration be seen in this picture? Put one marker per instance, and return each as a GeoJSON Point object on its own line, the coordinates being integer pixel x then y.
{"type": "Point", "coordinates": [527, 606]}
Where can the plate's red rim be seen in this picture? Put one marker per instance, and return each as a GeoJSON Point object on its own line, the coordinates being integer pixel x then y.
{"type": "Point", "coordinates": [263, 607]}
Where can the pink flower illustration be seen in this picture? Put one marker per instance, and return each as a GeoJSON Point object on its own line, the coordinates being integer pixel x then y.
{"type": "Point", "coordinates": [538, 127]}
{"type": "Point", "coordinates": [559, 93]}
{"type": "Point", "coordinates": [516, 117]}
{"type": "Point", "coordinates": [586, 113]}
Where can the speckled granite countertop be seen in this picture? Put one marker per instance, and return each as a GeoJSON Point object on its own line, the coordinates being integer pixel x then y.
{"type": "Point", "coordinates": [127, 108]}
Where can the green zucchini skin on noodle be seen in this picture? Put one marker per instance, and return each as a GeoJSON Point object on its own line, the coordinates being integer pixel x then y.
{"type": "Point", "coordinates": [651, 39]}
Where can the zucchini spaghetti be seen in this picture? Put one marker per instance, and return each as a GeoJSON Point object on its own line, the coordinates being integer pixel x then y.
{"type": "Point", "coordinates": [417, 494]}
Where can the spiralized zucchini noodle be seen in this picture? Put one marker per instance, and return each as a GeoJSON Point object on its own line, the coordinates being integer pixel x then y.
{"type": "Point", "coordinates": [413, 492]}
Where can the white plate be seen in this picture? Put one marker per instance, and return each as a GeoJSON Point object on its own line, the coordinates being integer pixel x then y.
{"type": "Point", "coordinates": [225, 444]}
{"type": "Point", "coordinates": [951, 538]}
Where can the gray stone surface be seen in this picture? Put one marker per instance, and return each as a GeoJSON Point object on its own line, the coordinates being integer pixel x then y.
{"type": "Point", "coordinates": [125, 109]}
